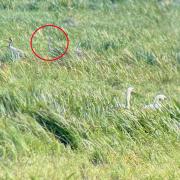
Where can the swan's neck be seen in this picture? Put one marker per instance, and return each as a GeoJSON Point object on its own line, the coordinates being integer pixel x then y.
{"type": "Point", "coordinates": [128, 98]}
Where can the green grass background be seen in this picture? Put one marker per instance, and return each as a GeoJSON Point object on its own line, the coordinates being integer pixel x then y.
{"type": "Point", "coordinates": [55, 120]}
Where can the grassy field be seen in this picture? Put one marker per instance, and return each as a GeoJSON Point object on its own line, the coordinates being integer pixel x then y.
{"type": "Point", "coordinates": [55, 120]}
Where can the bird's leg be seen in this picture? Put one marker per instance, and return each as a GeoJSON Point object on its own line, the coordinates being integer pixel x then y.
{"type": "Point", "coordinates": [12, 54]}
{"type": "Point", "coordinates": [15, 54]}
{"type": "Point", "coordinates": [18, 55]}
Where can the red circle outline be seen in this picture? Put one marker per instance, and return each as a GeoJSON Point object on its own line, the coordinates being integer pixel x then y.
{"type": "Point", "coordinates": [53, 59]}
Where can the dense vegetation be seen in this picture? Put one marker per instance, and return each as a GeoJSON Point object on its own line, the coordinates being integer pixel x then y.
{"type": "Point", "coordinates": [55, 120]}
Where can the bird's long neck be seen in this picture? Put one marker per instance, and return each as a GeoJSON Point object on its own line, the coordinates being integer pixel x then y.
{"type": "Point", "coordinates": [128, 98]}
{"type": "Point", "coordinates": [10, 44]}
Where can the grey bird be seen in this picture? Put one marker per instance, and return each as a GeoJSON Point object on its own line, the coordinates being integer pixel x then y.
{"type": "Point", "coordinates": [15, 52]}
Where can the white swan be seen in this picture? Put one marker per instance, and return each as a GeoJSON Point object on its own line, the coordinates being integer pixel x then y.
{"type": "Point", "coordinates": [127, 105]}
{"type": "Point", "coordinates": [15, 53]}
{"type": "Point", "coordinates": [157, 104]}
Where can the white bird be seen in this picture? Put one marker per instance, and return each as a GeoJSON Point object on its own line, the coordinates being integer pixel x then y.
{"type": "Point", "coordinates": [157, 104]}
{"type": "Point", "coordinates": [15, 52]}
{"type": "Point", "coordinates": [127, 105]}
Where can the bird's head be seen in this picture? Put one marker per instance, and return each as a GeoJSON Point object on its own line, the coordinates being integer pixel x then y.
{"type": "Point", "coordinates": [10, 39]}
{"type": "Point", "coordinates": [130, 90]}
{"type": "Point", "coordinates": [160, 98]}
